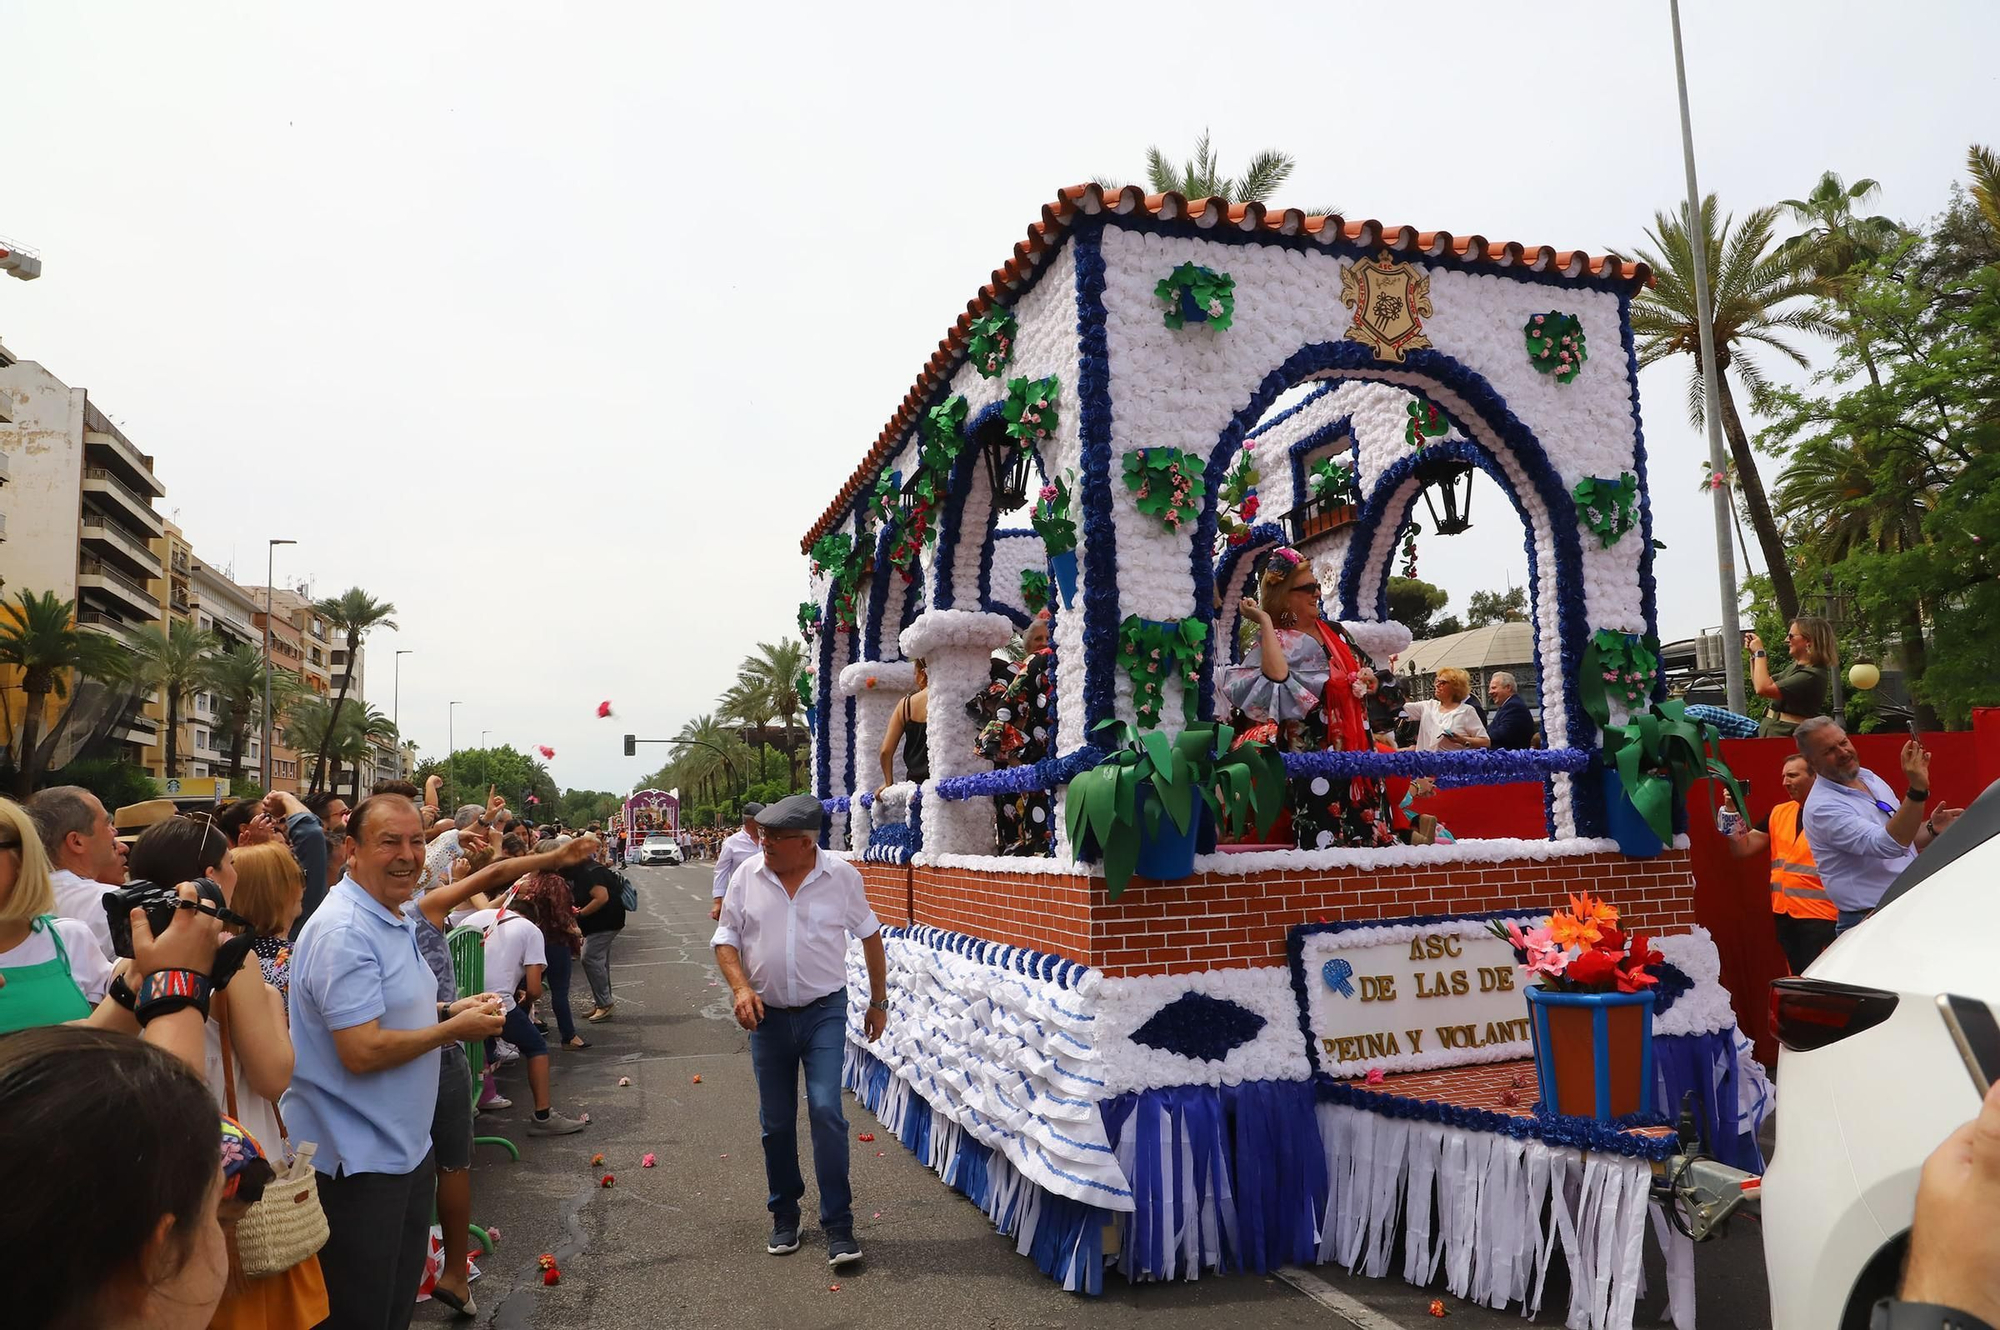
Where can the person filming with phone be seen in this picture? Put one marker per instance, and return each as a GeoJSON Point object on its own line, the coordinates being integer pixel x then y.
{"type": "Point", "coordinates": [1803, 689]}
{"type": "Point", "coordinates": [1863, 835]}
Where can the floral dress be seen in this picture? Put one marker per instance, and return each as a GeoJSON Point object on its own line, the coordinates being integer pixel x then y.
{"type": "Point", "coordinates": [1016, 712]}
{"type": "Point", "coordinates": [1326, 811]}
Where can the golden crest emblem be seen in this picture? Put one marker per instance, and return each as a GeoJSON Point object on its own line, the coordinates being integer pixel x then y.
{"type": "Point", "coordinates": [1390, 303]}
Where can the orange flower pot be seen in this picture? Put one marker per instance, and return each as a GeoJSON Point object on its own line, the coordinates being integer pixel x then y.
{"type": "Point", "coordinates": [1593, 1052]}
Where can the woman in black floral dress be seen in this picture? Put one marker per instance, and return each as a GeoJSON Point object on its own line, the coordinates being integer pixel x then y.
{"type": "Point", "coordinates": [1016, 712]}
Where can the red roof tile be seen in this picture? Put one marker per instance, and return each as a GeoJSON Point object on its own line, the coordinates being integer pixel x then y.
{"type": "Point", "coordinates": [1047, 234]}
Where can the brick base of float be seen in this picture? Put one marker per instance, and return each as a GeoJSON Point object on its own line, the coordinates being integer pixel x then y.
{"type": "Point", "coordinates": [1223, 920]}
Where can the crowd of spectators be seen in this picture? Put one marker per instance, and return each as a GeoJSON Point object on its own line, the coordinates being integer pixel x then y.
{"type": "Point", "coordinates": [288, 979]}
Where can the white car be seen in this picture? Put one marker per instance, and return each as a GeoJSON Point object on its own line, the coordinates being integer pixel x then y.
{"type": "Point", "coordinates": [1869, 1079]}
{"type": "Point", "coordinates": [660, 850]}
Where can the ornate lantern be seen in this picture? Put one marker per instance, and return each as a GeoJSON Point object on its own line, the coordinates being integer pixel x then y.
{"type": "Point", "coordinates": [1007, 466]}
{"type": "Point", "coordinates": [1452, 480]}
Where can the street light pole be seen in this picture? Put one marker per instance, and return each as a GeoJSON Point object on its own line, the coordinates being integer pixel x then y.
{"type": "Point", "coordinates": [450, 763]}
{"type": "Point", "coordinates": [482, 755]}
{"type": "Point", "coordinates": [396, 703]}
{"type": "Point", "coordinates": [1725, 553]}
{"type": "Point", "coordinates": [270, 763]}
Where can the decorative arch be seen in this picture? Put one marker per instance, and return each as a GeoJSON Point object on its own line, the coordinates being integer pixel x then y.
{"type": "Point", "coordinates": [1500, 444]}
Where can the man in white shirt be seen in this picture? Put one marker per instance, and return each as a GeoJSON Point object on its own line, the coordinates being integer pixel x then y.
{"type": "Point", "coordinates": [84, 853]}
{"type": "Point", "coordinates": [782, 945]}
{"type": "Point", "coordinates": [735, 852]}
{"type": "Point", "coordinates": [516, 954]}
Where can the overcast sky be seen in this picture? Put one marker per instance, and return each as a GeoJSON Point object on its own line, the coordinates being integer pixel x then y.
{"type": "Point", "coordinates": [558, 326]}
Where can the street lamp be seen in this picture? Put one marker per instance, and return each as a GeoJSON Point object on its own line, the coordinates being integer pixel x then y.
{"type": "Point", "coordinates": [482, 755]}
{"type": "Point", "coordinates": [270, 763]}
{"type": "Point", "coordinates": [450, 765]}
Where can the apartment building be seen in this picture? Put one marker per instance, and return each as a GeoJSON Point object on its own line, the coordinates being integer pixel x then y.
{"type": "Point", "coordinates": [78, 517]}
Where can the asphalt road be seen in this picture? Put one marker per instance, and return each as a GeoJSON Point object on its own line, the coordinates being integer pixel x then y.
{"type": "Point", "coordinates": [682, 1243]}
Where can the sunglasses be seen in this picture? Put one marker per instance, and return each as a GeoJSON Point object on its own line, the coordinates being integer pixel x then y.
{"type": "Point", "coordinates": [1885, 808]}
{"type": "Point", "coordinates": [1307, 588]}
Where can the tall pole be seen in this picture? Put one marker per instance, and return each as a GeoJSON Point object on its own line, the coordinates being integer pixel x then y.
{"type": "Point", "coordinates": [396, 708]}
{"type": "Point", "coordinates": [270, 764]}
{"type": "Point", "coordinates": [1725, 553]}
{"type": "Point", "coordinates": [482, 755]}
{"type": "Point", "coordinates": [450, 765]}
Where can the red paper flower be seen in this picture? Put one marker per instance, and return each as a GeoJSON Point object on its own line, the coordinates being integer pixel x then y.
{"type": "Point", "coordinates": [865, 1136]}
{"type": "Point", "coordinates": [545, 751]}
{"type": "Point", "coordinates": [606, 1180]}
{"type": "Point", "coordinates": [1374, 1076]}
{"type": "Point", "coordinates": [1594, 968]}
{"type": "Point", "coordinates": [604, 710]}
{"type": "Point", "coordinates": [1437, 1307]}
{"type": "Point", "coordinates": [552, 1276]}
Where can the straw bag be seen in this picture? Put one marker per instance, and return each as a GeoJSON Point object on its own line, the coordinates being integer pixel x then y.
{"type": "Point", "coordinates": [287, 1224]}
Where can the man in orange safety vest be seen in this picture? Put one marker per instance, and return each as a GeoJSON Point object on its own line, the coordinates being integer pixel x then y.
{"type": "Point", "coordinates": [1802, 911]}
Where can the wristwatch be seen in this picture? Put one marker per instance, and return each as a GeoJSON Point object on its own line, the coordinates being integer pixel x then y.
{"type": "Point", "coordinates": [1895, 1314]}
{"type": "Point", "coordinates": [881, 1005]}
{"type": "Point", "coordinates": [1756, 655]}
{"type": "Point", "coordinates": [1921, 796]}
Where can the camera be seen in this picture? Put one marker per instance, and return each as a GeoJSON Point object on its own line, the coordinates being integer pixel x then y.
{"type": "Point", "coordinates": [159, 903]}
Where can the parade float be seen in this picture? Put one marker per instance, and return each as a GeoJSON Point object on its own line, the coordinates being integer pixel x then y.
{"type": "Point", "coordinates": [1271, 1054]}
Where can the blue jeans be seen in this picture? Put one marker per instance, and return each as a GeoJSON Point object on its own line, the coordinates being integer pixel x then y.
{"type": "Point", "coordinates": [814, 1035]}
{"type": "Point", "coordinates": [556, 977]}
{"type": "Point", "coordinates": [1848, 919]}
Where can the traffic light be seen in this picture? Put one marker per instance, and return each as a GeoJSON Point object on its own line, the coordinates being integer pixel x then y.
{"type": "Point", "coordinates": [631, 745]}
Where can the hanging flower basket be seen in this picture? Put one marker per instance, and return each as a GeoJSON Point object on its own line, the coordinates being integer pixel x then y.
{"type": "Point", "coordinates": [1608, 508]}
{"type": "Point", "coordinates": [1194, 294]}
{"type": "Point", "coordinates": [1320, 517]}
{"type": "Point", "coordinates": [1555, 345]}
{"type": "Point", "coordinates": [1051, 517]}
{"type": "Point", "coordinates": [1062, 567]}
{"type": "Point", "coordinates": [1166, 483]}
{"type": "Point", "coordinates": [1034, 590]}
{"type": "Point", "coordinates": [1030, 409]}
{"type": "Point", "coordinates": [989, 343]}
{"type": "Point", "coordinates": [1426, 423]}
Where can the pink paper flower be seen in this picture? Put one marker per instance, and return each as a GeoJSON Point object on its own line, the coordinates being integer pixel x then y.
{"type": "Point", "coordinates": [604, 710]}
{"type": "Point", "coordinates": [545, 751]}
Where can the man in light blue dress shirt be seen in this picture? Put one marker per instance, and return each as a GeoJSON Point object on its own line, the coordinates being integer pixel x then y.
{"type": "Point", "coordinates": [366, 1029]}
{"type": "Point", "coordinates": [1863, 835]}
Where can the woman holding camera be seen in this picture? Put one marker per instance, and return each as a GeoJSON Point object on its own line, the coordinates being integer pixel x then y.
{"type": "Point", "coordinates": [1801, 692]}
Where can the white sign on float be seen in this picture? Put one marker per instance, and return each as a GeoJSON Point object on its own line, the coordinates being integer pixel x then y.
{"type": "Point", "coordinates": [1408, 996]}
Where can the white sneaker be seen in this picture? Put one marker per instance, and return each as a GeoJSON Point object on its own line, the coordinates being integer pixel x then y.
{"type": "Point", "coordinates": [495, 1104]}
{"type": "Point", "coordinates": [504, 1053]}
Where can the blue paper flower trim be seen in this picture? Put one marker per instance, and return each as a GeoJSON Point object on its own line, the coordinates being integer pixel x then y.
{"type": "Point", "coordinates": [1197, 1026]}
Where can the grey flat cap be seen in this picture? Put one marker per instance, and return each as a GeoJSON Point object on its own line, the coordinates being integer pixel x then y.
{"type": "Point", "coordinates": [794, 812]}
{"type": "Point", "coordinates": [750, 810]}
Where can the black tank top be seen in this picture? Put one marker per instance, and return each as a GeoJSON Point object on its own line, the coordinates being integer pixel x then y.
{"type": "Point", "coordinates": [916, 751]}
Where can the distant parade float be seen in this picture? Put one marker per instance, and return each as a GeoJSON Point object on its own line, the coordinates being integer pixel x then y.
{"type": "Point", "coordinates": [1198, 1024]}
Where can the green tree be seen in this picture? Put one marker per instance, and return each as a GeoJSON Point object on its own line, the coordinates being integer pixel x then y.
{"type": "Point", "coordinates": [39, 637]}
{"type": "Point", "coordinates": [1892, 475]}
{"type": "Point", "coordinates": [175, 663]}
{"type": "Point", "coordinates": [1836, 240]}
{"type": "Point", "coordinates": [748, 707]}
{"type": "Point", "coordinates": [1491, 607]}
{"type": "Point", "coordinates": [468, 772]}
{"type": "Point", "coordinates": [579, 808]}
{"type": "Point", "coordinates": [236, 678]}
{"type": "Point", "coordinates": [1757, 294]}
{"type": "Point", "coordinates": [1985, 169]}
{"type": "Point", "coordinates": [355, 614]}
{"type": "Point", "coordinates": [1414, 604]}
{"type": "Point", "coordinates": [1201, 176]}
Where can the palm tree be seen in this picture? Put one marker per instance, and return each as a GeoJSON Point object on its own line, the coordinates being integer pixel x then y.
{"type": "Point", "coordinates": [1985, 168]}
{"type": "Point", "coordinates": [236, 678]}
{"type": "Point", "coordinates": [1201, 177]}
{"type": "Point", "coordinates": [313, 723]}
{"type": "Point", "coordinates": [1753, 291]}
{"type": "Point", "coordinates": [354, 613]}
{"type": "Point", "coordinates": [39, 637]}
{"type": "Point", "coordinates": [745, 706]}
{"type": "Point", "coordinates": [773, 671]}
{"type": "Point", "coordinates": [1835, 241]}
{"type": "Point", "coordinates": [176, 663]}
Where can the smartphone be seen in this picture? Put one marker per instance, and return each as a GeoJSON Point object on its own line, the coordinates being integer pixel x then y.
{"type": "Point", "coordinates": [1977, 1035]}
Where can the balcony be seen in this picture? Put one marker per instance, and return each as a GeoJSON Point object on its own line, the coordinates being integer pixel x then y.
{"type": "Point", "coordinates": [109, 535]}
{"type": "Point", "coordinates": [96, 575]}
{"type": "Point", "coordinates": [136, 466]}
{"type": "Point", "coordinates": [115, 492]}
{"type": "Point", "coordinates": [180, 561]}
{"type": "Point", "coordinates": [109, 625]}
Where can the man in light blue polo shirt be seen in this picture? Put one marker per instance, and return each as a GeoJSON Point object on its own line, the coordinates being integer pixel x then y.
{"type": "Point", "coordinates": [366, 1029]}
{"type": "Point", "coordinates": [1863, 836]}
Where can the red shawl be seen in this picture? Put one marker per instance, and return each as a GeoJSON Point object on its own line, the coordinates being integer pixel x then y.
{"type": "Point", "coordinates": [1346, 714]}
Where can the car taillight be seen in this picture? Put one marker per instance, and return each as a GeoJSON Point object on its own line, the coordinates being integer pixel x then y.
{"type": "Point", "coordinates": [1812, 1013]}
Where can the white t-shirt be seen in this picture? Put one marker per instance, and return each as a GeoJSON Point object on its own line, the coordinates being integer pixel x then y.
{"type": "Point", "coordinates": [81, 899]}
{"type": "Point", "coordinates": [512, 945]}
{"type": "Point", "coordinates": [86, 963]}
{"type": "Point", "coordinates": [1435, 720]}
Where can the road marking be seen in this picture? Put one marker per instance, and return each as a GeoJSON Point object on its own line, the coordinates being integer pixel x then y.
{"type": "Point", "coordinates": [1355, 1313]}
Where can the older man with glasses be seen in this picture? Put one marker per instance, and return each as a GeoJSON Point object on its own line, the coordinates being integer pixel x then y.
{"type": "Point", "coordinates": [1863, 835]}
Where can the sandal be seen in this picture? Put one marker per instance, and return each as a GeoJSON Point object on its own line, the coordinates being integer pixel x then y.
{"type": "Point", "coordinates": [576, 1042]}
